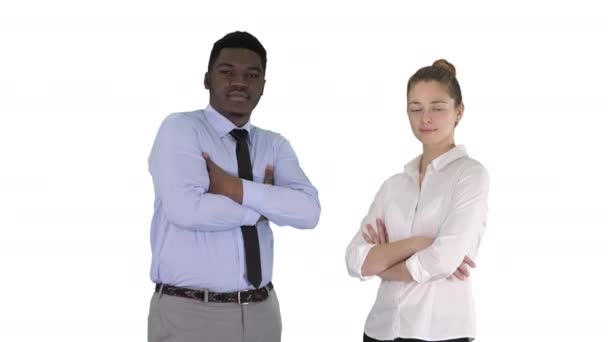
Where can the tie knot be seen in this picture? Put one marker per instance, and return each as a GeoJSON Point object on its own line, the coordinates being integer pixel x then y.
{"type": "Point", "coordinates": [239, 134]}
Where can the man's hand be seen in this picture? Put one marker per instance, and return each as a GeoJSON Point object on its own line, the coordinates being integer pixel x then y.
{"type": "Point", "coordinates": [221, 183]}
{"type": "Point", "coordinates": [269, 175]}
{"type": "Point", "coordinates": [268, 179]}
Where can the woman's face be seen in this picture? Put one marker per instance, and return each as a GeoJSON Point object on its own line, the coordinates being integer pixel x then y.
{"type": "Point", "coordinates": [432, 113]}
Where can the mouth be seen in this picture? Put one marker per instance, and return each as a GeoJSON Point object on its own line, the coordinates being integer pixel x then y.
{"type": "Point", "coordinates": [238, 96]}
{"type": "Point", "coordinates": [427, 130]}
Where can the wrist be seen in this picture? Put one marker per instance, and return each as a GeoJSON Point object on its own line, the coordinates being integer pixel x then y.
{"type": "Point", "coordinates": [417, 243]}
{"type": "Point", "coordinates": [237, 190]}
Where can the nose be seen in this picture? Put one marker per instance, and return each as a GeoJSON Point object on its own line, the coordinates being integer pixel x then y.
{"type": "Point", "coordinates": [426, 116]}
{"type": "Point", "coordinates": [239, 80]}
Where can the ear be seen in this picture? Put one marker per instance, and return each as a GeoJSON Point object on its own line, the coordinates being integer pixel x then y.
{"type": "Point", "coordinates": [206, 81]}
{"type": "Point", "coordinates": [459, 112]}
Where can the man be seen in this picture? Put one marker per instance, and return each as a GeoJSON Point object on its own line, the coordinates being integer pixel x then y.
{"type": "Point", "coordinates": [218, 182]}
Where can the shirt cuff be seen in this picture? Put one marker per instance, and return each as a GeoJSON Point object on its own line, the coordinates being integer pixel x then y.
{"type": "Point", "coordinates": [360, 255]}
{"type": "Point", "coordinates": [252, 193]}
{"type": "Point", "coordinates": [250, 218]}
{"type": "Point", "coordinates": [419, 274]}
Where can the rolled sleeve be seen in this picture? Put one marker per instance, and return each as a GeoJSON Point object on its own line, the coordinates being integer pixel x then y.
{"type": "Point", "coordinates": [355, 256]}
{"type": "Point", "coordinates": [418, 273]}
{"type": "Point", "coordinates": [459, 233]}
{"type": "Point", "coordinates": [358, 249]}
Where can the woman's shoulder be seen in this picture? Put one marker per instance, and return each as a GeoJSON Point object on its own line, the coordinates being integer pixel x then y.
{"type": "Point", "coordinates": [470, 163]}
{"type": "Point", "coordinates": [394, 181]}
{"type": "Point", "coordinates": [471, 169]}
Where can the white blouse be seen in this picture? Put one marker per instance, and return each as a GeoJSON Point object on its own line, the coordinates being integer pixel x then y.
{"type": "Point", "coordinates": [451, 206]}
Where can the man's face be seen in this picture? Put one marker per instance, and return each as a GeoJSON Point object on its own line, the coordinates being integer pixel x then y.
{"type": "Point", "coordinates": [235, 82]}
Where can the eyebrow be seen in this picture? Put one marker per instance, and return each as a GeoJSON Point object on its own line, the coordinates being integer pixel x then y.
{"type": "Point", "coordinates": [439, 101]}
{"type": "Point", "coordinates": [253, 68]}
{"type": "Point", "coordinates": [219, 65]}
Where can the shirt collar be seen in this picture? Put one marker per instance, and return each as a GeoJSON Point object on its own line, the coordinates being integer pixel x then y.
{"type": "Point", "coordinates": [412, 168]}
{"type": "Point", "coordinates": [222, 125]}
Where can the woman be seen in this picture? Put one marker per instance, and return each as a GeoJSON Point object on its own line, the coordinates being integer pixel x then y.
{"type": "Point", "coordinates": [424, 224]}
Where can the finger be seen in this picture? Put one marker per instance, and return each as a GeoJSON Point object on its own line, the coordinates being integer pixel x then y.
{"type": "Point", "coordinates": [451, 277]}
{"type": "Point", "coordinates": [269, 175]}
{"type": "Point", "coordinates": [381, 231]}
{"type": "Point", "coordinates": [368, 238]}
{"type": "Point", "coordinates": [459, 275]}
{"type": "Point", "coordinates": [207, 158]}
{"type": "Point", "coordinates": [470, 262]}
{"type": "Point", "coordinates": [464, 270]}
{"type": "Point", "coordinates": [208, 161]}
{"type": "Point", "coordinates": [372, 233]}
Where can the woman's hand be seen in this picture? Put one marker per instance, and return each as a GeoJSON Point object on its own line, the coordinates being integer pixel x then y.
{"type": "Point", "coordinates": [376, 237]}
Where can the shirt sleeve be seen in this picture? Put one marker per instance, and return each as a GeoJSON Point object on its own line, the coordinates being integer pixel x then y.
{"type": "Point", "coordinates": [462, 229]}
{"type": "Point", "coordinates": [292, 200]}
{"type": "Point", "coordinates": [181, 181]}
{"type": "Point", "coordinates": [358, 248]}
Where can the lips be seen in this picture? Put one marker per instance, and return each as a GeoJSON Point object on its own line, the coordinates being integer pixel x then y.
{"type": "Point", "coordinates": [428, 130]}
{"type": "Point", "coordinates": [238, 95]}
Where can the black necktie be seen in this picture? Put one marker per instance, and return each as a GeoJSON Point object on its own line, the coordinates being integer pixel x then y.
{"type": "Point", "coordinates": [250, 233]}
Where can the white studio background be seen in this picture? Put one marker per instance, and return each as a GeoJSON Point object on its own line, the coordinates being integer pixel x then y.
{"type": "Point", "coordinates": [84, 86]}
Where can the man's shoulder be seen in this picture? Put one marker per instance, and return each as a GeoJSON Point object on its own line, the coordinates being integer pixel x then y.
{"type": "Point", "coordinates": [182, 120]}
{"type": "Point", "coordinates": [191, 116]}
{"type": "Point", "coordinates": [269, 135]}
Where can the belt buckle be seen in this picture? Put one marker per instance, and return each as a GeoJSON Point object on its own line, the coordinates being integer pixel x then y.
{"type": "Point", "coordinates": [238, 297]}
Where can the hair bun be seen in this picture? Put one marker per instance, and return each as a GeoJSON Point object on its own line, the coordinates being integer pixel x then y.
{"type": "Point", "coordinates": [445, 65]}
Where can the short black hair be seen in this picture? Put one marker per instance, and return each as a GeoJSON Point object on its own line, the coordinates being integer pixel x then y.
{"type": "Point", "coordinates": [238, 39]}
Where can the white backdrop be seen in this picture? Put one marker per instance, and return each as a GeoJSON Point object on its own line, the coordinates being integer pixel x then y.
{"type": "Point", "coordinates": [84, 86]}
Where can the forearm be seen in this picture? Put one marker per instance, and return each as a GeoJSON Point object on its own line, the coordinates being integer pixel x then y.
{"type": "Point", "coordinates": [382, 256]}
{"type": "Point", "coordinates": [207, 212]}
{"type": "Point", "coordinates": [397, 272]}
{"type": "Point", "coordinates": [181, 182]}
{"type": "Point", "coordinates": [459, 234]}
{"type": "Point", "coordinates": [283, 206]}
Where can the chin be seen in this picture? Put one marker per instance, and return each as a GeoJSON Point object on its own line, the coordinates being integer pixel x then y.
{"type": "Point", "coordinates": [429, 140]}
{"type": "Point", "coordinates": [237, 110]}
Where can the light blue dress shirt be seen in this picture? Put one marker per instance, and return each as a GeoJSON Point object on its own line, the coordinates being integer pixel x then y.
{"type": "Point", "coordinates": [196, 236]}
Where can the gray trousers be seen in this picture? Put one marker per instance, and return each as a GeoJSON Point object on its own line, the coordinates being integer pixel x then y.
{"type": "Point", "coordinates": [176, 319]}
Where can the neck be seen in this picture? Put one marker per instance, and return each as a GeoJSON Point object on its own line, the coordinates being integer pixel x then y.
{"type": "Point", "coordinates": [432, 151]}
{"type": "Point", "coordinates": [239, 120]}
